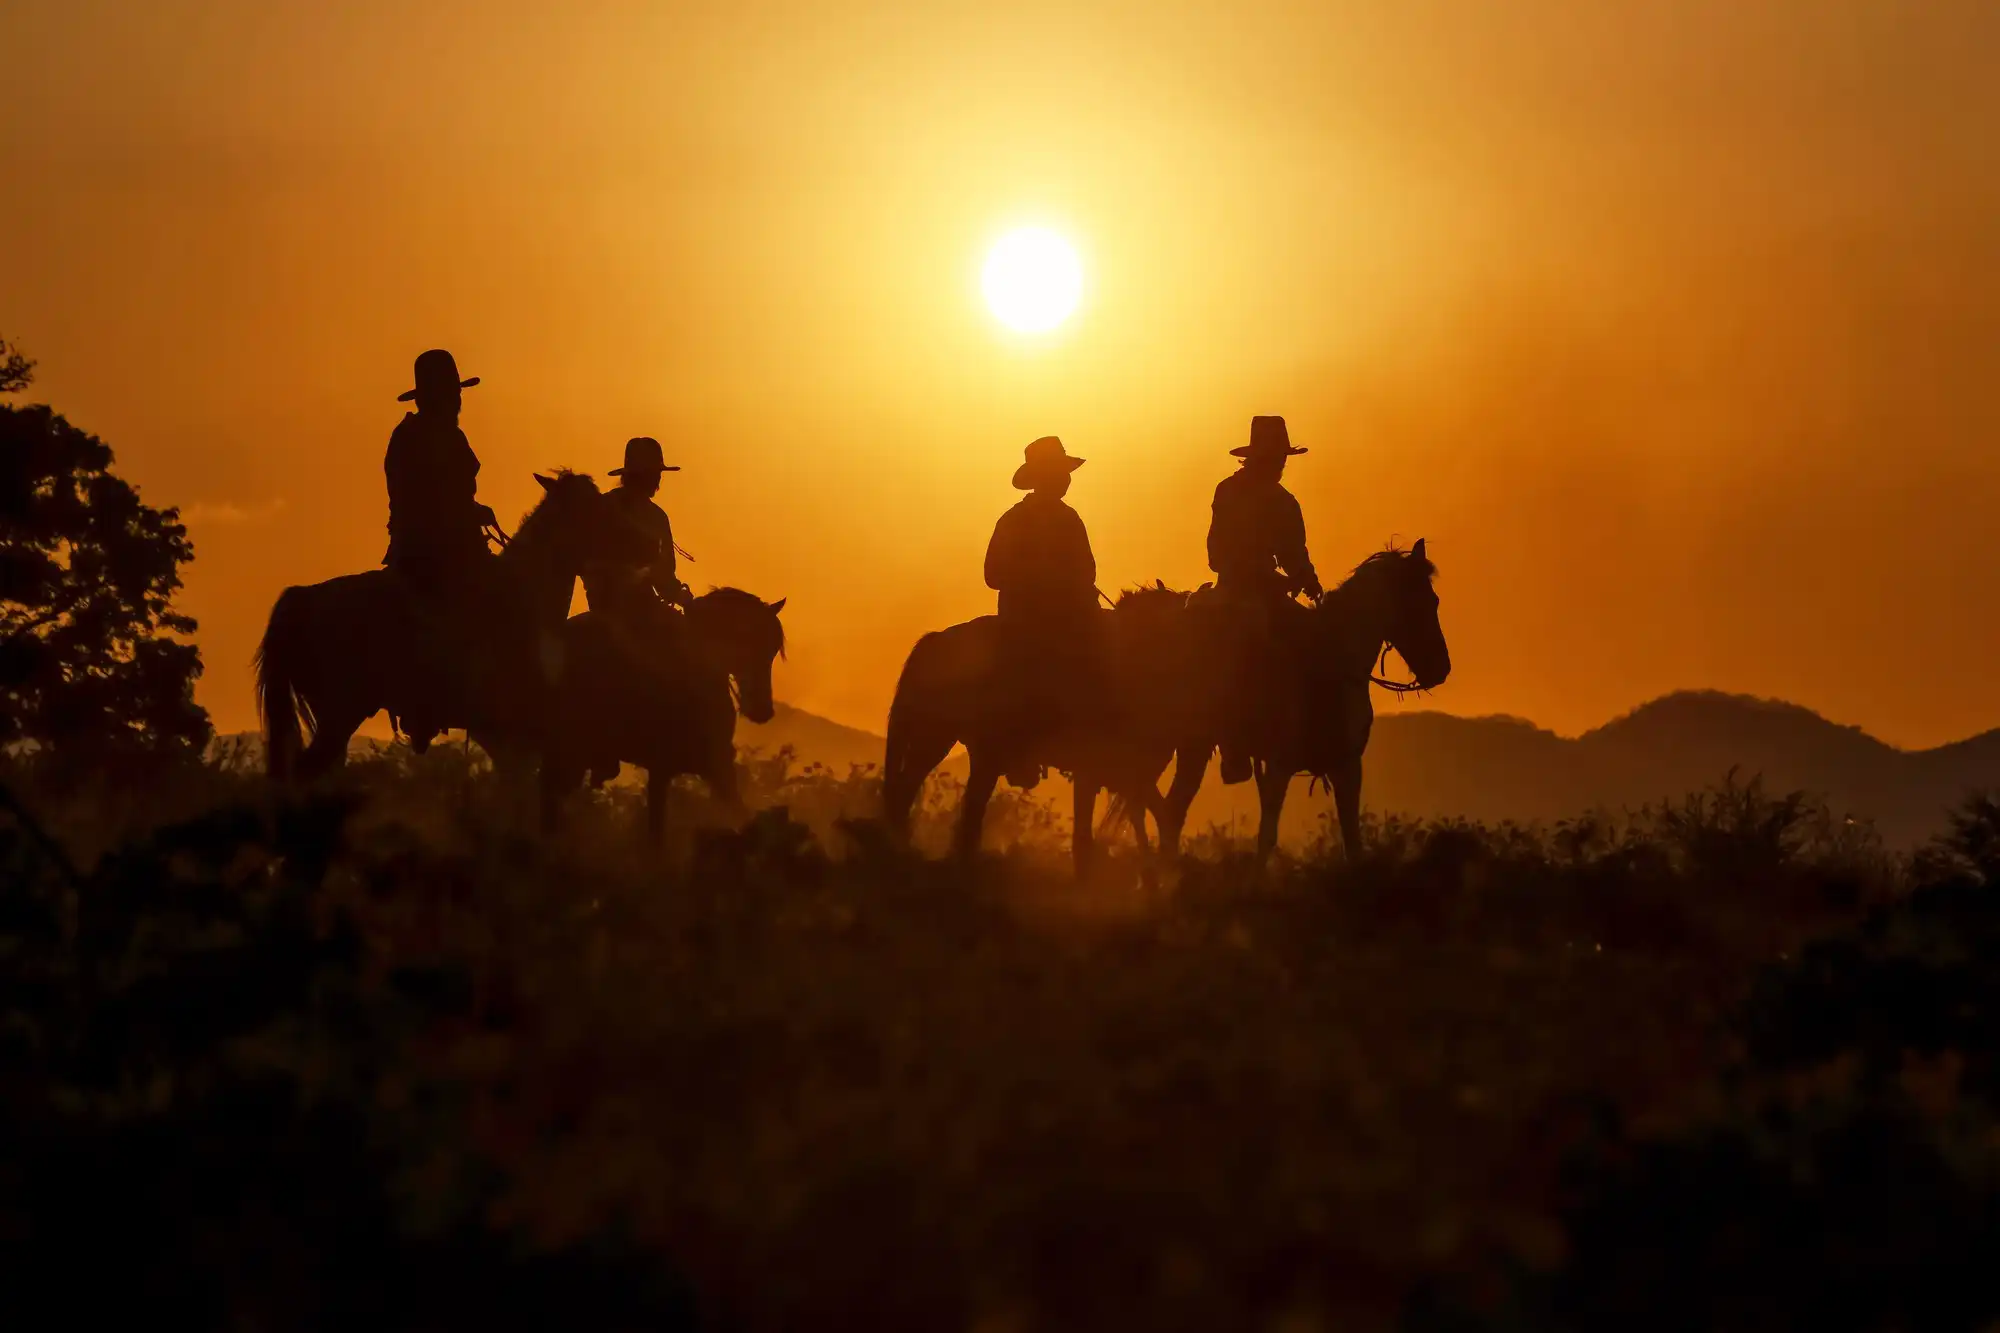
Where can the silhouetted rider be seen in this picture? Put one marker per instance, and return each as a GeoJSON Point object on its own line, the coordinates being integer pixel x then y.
{"type": "Point", "coordinates": [1040, 563]}
{"type": "Point", "coordinates": [1039, 560]}
{"type": "Point", "coordinates": [437, 544]}
{"type": "Point", "coordinates": [435, 518]}
{"type": "Point", "coordinates": [1257, 548]}
{"type": "Point", "coordinates": [1257, 535]}
{"type": "Point", "coordinates": [639, 589]}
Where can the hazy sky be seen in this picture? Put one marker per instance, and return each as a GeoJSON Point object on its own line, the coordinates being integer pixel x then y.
{"type": "Point", "coordinates": [1673, 326]}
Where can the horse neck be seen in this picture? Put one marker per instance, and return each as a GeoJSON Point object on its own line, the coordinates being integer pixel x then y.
{"type": "Point", "coordinates": [1353, 624]}
{"type": "Point", "coordinates": [736, 635]}
{"type": "Point", "coordinates": [543, 582]}
{"type": "Point", "coordinates": [716, 634]}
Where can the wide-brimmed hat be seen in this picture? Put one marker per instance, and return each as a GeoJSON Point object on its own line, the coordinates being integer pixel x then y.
{"type": "Point", "coordinates": [1268, 439]}
{"type": "Point", "coordinates": [1045, 460]}
{"type": "Point", "coordinates": [642, 454]}
{"type": "Point", "coordinates": [436, 370]}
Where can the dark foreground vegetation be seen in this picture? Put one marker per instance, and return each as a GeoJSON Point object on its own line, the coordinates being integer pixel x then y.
{"type": "Point", "coordinates": [382, 1059]}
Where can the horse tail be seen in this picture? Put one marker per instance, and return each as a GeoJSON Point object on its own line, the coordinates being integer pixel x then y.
{"type": "Point", "coordinates": [910, 725]}
{"type": "Point", "coordinates": [280, 708]}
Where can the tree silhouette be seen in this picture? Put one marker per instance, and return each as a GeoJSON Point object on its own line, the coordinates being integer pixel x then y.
{"type": "Point", "coordinates": [91, 672]}
{"type": "Point", "coordinates": [16, 371]}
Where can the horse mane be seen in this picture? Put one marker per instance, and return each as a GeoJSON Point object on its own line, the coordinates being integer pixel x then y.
{"type": "Point", "coordinates": [1158, 597]}
{"type": "Point", "coordinates": [564, 480]}
{"type": "Point", "coordinates": [737, 600]}
{"type": "Point", "coordinates": [1390, 552]}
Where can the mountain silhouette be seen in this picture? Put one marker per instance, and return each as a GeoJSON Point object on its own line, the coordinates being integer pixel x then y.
{"type": "Point", "coordinates": [812, 738]}
{"type": "Point", "coordinates": [1503, 768]}
{"type": "Point", "coordinates": [1433, 764]}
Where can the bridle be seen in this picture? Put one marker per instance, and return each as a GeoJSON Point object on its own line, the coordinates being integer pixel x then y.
{"type": "Point", "coordinates": [1397, 687]}
{"type": "Point", "coordinates": [1375, 674]}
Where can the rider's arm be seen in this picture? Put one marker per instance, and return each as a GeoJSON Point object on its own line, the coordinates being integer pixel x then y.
{"type": "Point", "coordinates": [1292, 554]}
{"type": "Point", "coordinates": [396, 465]}
{"type": "Point", "coordinates": [1000, 552]}
{"type": "Point", "coordinates": [1217, 535]}
{"type": "Point", "coordinates": [1086, 561]}
{"type": "Point", "coordinates": [666, 566]}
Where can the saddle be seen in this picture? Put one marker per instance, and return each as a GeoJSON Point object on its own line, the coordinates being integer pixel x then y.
{"type": "Point", "coordinates": [460, 639]}
{"type": "Point", "coordinates": [1052, 672]}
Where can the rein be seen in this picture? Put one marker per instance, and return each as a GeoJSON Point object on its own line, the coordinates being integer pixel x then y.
{"type": "Point", "coordinates": [1393, 686]}
{"type": "Point", "coordinates": [1375, 674]}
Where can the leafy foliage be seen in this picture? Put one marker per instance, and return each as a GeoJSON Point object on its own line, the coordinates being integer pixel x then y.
{"type": "Point", "coordinates": [383, 1058]}
{"type": "Point", "coordinates": [91, 671]}
{"type": "Point", "coordinates": [1849, 1175]}
{"type": "Point", "coordinates": [17, 372]}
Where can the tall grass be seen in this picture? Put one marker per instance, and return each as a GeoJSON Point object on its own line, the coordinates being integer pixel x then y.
{"type": "Point", "coordinates": [385, 1057]}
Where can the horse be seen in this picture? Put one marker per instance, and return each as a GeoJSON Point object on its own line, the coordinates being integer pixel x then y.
{"type": "Point", "coordinates": [667, 704]}
{"type": "Point", "coordinates": [1387, 602]}
{"type": "Point", "coordinates": [947, 694]}
{"type": "Point", "coordinates": [336, 653]}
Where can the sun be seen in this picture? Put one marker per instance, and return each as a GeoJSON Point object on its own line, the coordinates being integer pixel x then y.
{"type": "Point", "coordinates": [1032, 279]}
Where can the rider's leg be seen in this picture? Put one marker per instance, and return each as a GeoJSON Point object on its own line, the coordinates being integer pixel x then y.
{"type": "Point", "coordinates": [1252, 677]}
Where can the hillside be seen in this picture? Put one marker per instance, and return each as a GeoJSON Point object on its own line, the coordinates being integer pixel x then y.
{"type": "Point", "coordinates": [1501, 768]}
{"type": "Point", "coordinates": [1496, 768]}
{"type": "Point", "coordinates": [815, 739]}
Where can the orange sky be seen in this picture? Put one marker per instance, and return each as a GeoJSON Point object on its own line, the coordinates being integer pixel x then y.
{"type": "Point", "coordinates": [1673, 326]}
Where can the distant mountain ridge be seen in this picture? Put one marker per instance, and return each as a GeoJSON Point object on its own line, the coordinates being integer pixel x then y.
{"type": "Point", "coordinates": [1495, 768]}
{"type": "Point", "coordinates": [1504, 768]}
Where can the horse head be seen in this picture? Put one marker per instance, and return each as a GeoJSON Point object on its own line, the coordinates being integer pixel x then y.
{"type": "Point", "coordinates": [1391, 595]}
{"type": "Point", "coordinates": [570, 530]}
{"type": "Point", "coordinates": [569, 525]}
{"type": "Point", "coordinates": [742, 635]}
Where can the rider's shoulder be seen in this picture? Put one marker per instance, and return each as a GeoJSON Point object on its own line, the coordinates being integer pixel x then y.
{"type": "Point", "coordinates": [1235, 482]}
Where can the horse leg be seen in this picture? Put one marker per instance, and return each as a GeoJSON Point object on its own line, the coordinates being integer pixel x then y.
{"type": "Point", "coordinates": [979, 784]}
{"type": "Point", "coordinates": [1136, 806]}
{"type": "Point", "coordinates": [328, 750]}
{"type": "Point", "coordinates": [1135, 813]}
{"type": "Point", "coordinates": [1347, 800]}
{"type": "Point", "coordinates": [1083, 808]}
{"type": "Point", "coordinates": [1271, 784]}
{"type": "Point", "coordinates": [907, 760]}
{"type": "Point", "coordinates": [1190, 767]}
{"type": "Point", "coordinates": [722, 784]}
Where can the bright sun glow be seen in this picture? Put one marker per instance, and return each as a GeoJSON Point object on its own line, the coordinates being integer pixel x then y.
{"type": "Point", "coordinates": [1032, 279]}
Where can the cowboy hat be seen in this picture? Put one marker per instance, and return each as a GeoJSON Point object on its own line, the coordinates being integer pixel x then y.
{"type": "Point", "coordinates": [1268, 437]}
{"type": "Point", "coordinates": [642, 454]}
{"type": "Point", "coordinates": [436, 370]}
{"type": "Point", "coordinates": [1044, 458]}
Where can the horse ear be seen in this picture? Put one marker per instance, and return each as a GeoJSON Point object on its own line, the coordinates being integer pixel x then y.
{"type": "Point", "coordinates": [778, 605]}
{"type": "Point", "coordinates": [1418, 550]}
{"type": "Point", "coordinates": [548, 483]}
